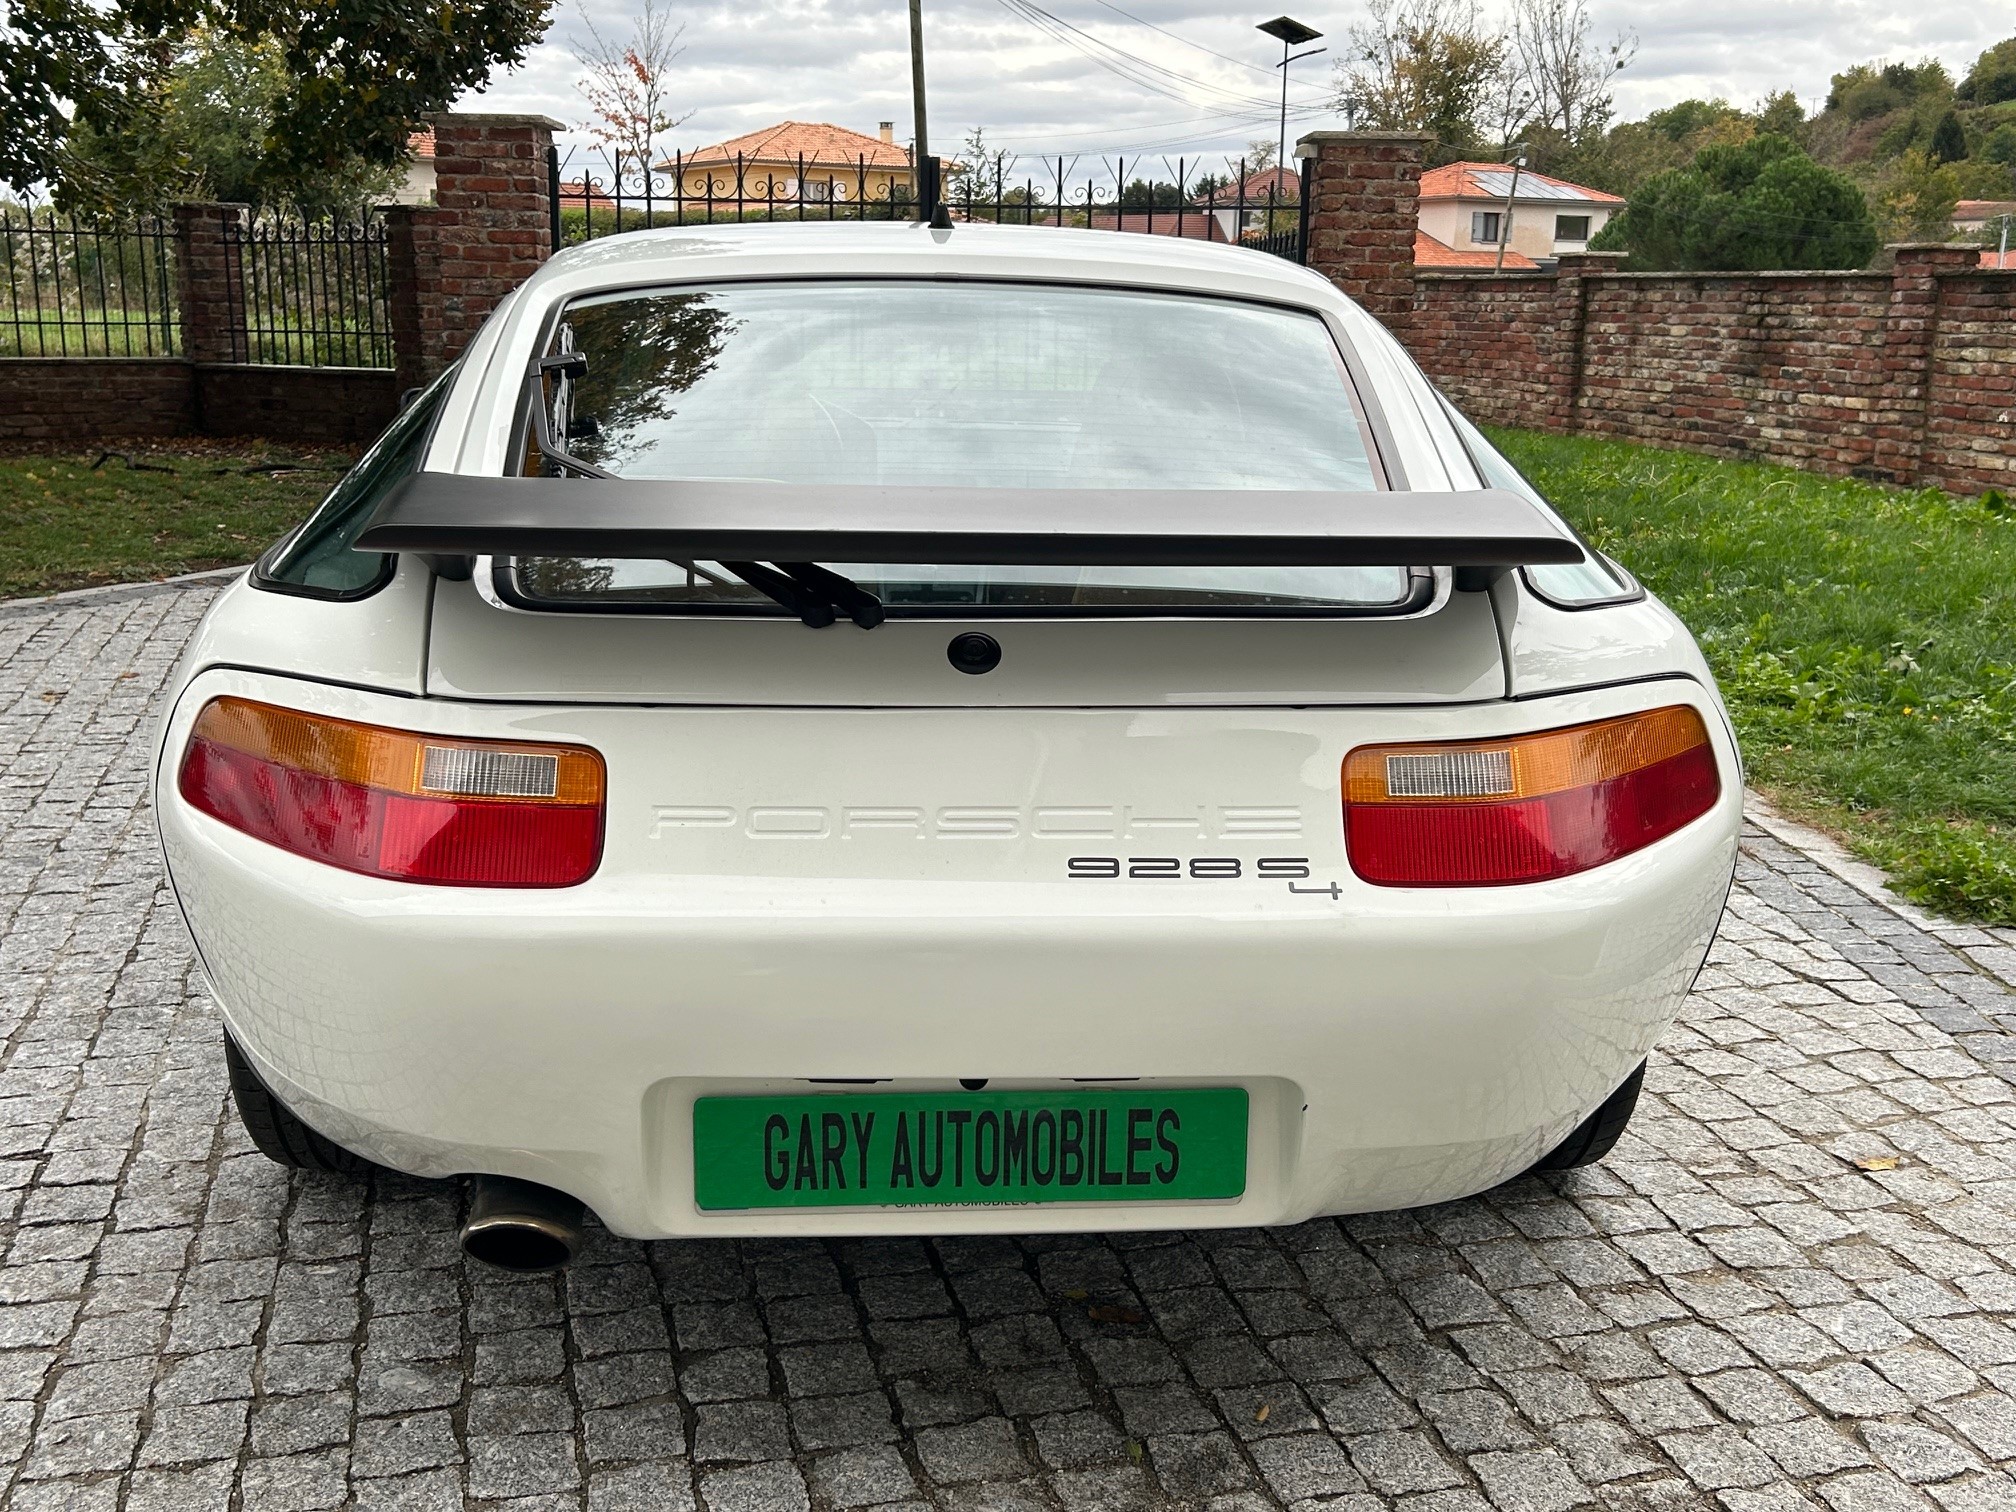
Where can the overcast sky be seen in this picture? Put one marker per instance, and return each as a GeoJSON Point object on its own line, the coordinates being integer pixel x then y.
{"type": "Point", "coordinates": [753, 62]}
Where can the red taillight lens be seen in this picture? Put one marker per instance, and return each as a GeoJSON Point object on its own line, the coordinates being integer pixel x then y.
{"type": "Point", "coordinates": [1485, 813]}
{"type": "Point", "coordinates": [391, 803]}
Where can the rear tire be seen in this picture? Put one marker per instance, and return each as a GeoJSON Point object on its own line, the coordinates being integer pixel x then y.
{"type": "Point", "coordinates": [1596, 1135]}
{"type": "Point", "coordinates": [280, 1136]}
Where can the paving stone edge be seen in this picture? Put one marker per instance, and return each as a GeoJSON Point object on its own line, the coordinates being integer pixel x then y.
{"type": "Point", "coordinates": [1990, 951]}
{"type": "Point", "coordinates": [111, 592]}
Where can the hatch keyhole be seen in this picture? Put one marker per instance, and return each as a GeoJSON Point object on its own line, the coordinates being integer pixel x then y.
{"type": "Point", "coordinates": [974, 653]}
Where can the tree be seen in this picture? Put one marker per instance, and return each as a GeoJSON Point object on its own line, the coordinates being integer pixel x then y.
{"type": "Point", "coordinates": [52, 53]}
{"type": "Point", "coordinates": [1763, 204]}
{"type": "Point", "coordinates": [626, 86]}
{"type": "Point", "coordinates": [1632, 151]}
{"type": "Point", "coordinates": [1949, 139]}
{"type": "Point", "coordinates": [1146, 194]}
{"type": "Point", "coordinates": [980, 170]}
{"type": "Point", "coordinates": [1424, 65]}
{"type": "Point", "coordinates": [1781, 114]}
{"type": "Point", "coordinates": [1566, 73]}
{"type": "Point", "coordinates": [359, 74]}
{"type": "Point", "coordinates": [192, 124]}
{"type": "Point", "coordinates": [1992, 79]}
{"type": "Point", "coordinates": [1915, 193]}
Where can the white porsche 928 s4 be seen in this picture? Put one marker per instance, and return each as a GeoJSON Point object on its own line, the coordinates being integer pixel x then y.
{"type": "Point", "coordinates": [865, 729]}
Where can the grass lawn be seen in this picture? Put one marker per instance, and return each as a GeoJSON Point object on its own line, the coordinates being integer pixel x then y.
{"type": "Point", "coordinates": [149, 510]}
{"type": "Point", "coordinates": [1864, 636]}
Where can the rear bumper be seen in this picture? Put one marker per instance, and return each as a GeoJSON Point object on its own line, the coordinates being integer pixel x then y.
{"type": "Point", "coordinates": [1398, 1048]}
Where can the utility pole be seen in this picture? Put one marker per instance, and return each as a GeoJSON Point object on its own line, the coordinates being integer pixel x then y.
{"type": "Point", "coordinates": [1505, 225]}
{"type": "Point", "coordinates": [1292, 34]}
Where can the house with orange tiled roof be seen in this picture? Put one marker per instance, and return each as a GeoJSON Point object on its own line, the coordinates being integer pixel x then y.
{"type": "Point", "coordinates": [416, 183]}
{"type": "Point", "coordinates": [1971, 217]}
{"type": "Point", "coordinates": [1430, 253]}
{"type": "Point", "coordinates": [811, 160]}
{"type": "Point", "coordinates": [1464, 211]}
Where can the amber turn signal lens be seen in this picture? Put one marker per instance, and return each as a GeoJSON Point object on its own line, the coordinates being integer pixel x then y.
{"type": "Point", "coordinates": [396, 803]}
{"type": "Point", "coordinates": [1486, 813]}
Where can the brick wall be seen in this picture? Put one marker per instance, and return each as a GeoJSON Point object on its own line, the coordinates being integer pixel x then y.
{"type": "Point", "coordinates": [88, 398]}
{"type": "Point", "coordinates": [295, 403]}
{"type": "Point", "coordinates": [1907, 377]}
{"type": "Point", "coordinates": [1970, 423]}
{"type": "Point", "coordinates": [450, 264]}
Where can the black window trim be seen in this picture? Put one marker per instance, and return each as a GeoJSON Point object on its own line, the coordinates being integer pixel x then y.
{"type": "Point", "coordinates": [1381, 451]}
{"type": "Point", "coordinates": [388, 562]}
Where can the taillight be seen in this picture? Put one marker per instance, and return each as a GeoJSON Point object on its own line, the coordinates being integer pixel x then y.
{"type": "Point", "coordinates": [1484, 813]}
{"type": "Point", "coordinates": [391, 803]}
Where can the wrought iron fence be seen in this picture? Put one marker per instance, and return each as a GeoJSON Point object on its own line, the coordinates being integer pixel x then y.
{"type": "Point", "coordinates": [311, 292]}
{"type": "Point", "coordinates": [598, 195]}
{"type": "Point", "coordinates": [80, 288]}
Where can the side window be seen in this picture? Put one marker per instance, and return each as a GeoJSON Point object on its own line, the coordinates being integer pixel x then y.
{"type": "Point", "coordinates": [317, 559]}
{"type": "Point", "coordinates": [1571, 585]}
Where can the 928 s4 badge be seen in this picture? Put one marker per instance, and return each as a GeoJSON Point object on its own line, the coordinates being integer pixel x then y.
{"type": "Point", "coordinates": [1294, 870]}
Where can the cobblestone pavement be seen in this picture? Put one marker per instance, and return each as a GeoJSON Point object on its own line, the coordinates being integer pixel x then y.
{"type": "Point", "coordinates": [1791, 1286]}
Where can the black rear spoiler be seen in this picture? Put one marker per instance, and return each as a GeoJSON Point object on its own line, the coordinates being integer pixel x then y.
{"type": "Point", "coordinates": [452, 514]}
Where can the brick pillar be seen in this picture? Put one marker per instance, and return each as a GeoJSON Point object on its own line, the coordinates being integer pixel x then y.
{"type": "Point", "coordinates": [1365, 186]}
{"type": "Point", "coordinates": [1572, 273]}
{"type": "Point", "coordinates": [1910, 327]}
{"type": "Point", "coordinates": [488, 231]}
{"type": "Point", "coordinates": [413, 292]}
{"type": "Point", "coordinates": [210, 281]}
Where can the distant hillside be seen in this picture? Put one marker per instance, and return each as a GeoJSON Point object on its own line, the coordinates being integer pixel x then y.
{"type": "Point", "coordinates": [1911, 138]}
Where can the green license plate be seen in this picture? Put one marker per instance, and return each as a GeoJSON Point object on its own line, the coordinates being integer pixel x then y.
{"type": "Point", "coordinates": [918, 1149]}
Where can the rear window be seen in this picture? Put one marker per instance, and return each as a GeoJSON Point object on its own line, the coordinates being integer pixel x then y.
{"type": "Point", "coordinates": [317, 560]}
{"type": "Point", "coordinates": [965, 385]}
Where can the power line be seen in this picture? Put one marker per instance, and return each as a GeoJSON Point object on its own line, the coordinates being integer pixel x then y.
{"type": "Point", "coordinates": [1137, 71]}
{"type": "Point", "coordinates": [1143, 72]}
{"type": "Point", "coordinates": [1226, 123]}
{"type": "Point", "coordinates": [1265, 73]}
{"type": "Point", "coordinates": [1201, 138]}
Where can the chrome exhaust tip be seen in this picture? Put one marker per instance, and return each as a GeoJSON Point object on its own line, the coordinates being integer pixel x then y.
{"type": "Point", "coordinates": [521, 1226]}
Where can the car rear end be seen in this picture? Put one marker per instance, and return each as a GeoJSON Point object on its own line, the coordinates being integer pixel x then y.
{"type": "Point", "coordinates": [1207, 897]}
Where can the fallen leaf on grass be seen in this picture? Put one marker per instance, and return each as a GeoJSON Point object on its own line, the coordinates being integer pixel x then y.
{"type": "Point", "coordinates": [1878, 1162]}
{"type": "Point", "coordinates": [1105, 1313]}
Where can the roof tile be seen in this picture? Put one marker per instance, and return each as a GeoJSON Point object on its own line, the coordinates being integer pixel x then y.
{"type": "Point", "coordinates": [789, 142]}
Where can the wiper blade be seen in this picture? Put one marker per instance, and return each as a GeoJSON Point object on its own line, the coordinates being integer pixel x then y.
{"type": "Point", "coordinates": [565, 365]}
{"type": "Point", "coordinates": [843, 593]}
{"type": "Point", "coordinates": [817, 595]}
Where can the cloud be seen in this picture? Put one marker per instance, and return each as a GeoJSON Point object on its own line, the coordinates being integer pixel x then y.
{"type": "Point", "coordinates": [754, 62]}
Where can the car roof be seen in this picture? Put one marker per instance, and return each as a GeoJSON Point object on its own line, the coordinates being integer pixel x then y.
{"type": "Point", "coordinates": [683, 253]}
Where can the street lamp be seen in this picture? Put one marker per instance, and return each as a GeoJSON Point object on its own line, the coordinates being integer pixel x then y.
{"type": "Point", "coordinates": [1292, 34]}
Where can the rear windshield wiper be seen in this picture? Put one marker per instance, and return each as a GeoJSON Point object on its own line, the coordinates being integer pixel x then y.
{"type": "Point", "coordinates": [817, 595]}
